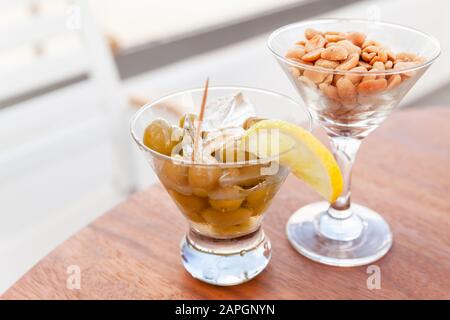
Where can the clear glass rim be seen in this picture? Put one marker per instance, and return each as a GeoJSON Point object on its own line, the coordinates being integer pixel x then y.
{"type": "Point", "coordinates": [291, 26]}
{"type": "Point", "coordinates": [158, 155]}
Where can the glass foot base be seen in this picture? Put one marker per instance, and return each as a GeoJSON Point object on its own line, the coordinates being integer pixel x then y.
{"type": "Point", "coordinates": [225, 262]}
{"type": "Point", "coordinates": [372, 242]}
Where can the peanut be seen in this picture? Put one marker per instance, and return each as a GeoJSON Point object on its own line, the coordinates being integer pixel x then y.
{"type": "Point", "coordinates": [346, 89]}
{"type": "Point", "coordinates": [356, 78]}
{"type": "Point", "coordinates": [313, 55]}
{"type": "Point", "coordinates": [381, 56]}
{"type": "Point", "coordinates": [390, 55]}
{"type": "Point", "coordinates": [405, 57]}
{"type": "Point", "coordinates": [371, 77]}
{"type": "Point", "coordinates": [296, 53]}
{"type": "Point", "coordinates": [368, 43]}
{"type": "Point", "coordinates": [328, 79]}
{"type": "Point", "coordinates": [307, 81]}
{"type": "Point", "coordinates": [295, 72]}
{"type": "Point", "coordinates": [335, 37]}
{"type": "Point", "coordinates": [372, 86]}
{"type": "Point", "coordinates": [310, 33]}
{"type": "Point", "coordinates": [406, 65]}
{"type": "Point", "coordinates": [315, 42]}
{"type": "Point", "coordinates": [351, 62]}
{"type": "Point", "coordinates": [328, 64]}
{"type": "Point", "coordinates": [334, 53]}
{"type": "Point", "coordinates": [349, 46]}
{"type": "Point", "coordinates": [330, 91]}
{"type": "Point", "coordinates": [393, 81]}
{"type": "Point", "coordinates": [379, 65]}
{"type": "Point", "coordinates": [366, 56]}
{"type": "Point", "coordinates": [388, 65]}
{"type": "Point", "coordinates": [357, 38]}
{"type": "Point", "coordinates": [365, 65]}
{"type": "Point", "coordinates": [336, 78]}
{"type": "Point", "coordinates": [315, 76]}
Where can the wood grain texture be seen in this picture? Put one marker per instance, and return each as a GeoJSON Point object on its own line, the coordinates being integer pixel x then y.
{"type": "Point", "coordinates": [402, 172]}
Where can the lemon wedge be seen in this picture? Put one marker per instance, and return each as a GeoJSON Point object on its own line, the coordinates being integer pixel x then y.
{"type": "Point", "coordinates": [297, 149]}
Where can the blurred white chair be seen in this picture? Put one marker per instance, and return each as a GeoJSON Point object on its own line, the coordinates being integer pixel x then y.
{"type": "Point", "coordinates": [64, 155]}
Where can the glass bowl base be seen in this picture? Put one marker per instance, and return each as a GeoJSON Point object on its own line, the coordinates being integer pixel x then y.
{"type": "Point", "coordinates": [373, 243]}
{"type": "Point", "coordinates": [225, 262]}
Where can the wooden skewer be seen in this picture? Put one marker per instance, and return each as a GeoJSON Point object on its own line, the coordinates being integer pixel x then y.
{"type": "Point", "coordinates": [200, 119]}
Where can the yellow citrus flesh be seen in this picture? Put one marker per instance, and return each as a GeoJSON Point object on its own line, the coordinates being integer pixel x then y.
{"type": "Point", "coordinates": [297, 149]}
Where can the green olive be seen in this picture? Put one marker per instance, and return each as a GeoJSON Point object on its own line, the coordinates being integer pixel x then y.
{"type": "Point", "coordinates": [158, 137]}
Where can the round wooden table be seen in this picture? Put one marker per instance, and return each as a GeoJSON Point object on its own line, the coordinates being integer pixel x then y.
{"type": "Point", "coordinates": [402, 171]}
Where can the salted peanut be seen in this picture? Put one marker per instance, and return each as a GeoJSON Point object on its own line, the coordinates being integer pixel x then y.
{"type": "Point", "coordinates": [328, 64]}
{"type": "Point", "coordinates": [390, 55]}
{"type": "Point", "coordinates": [368, 43]}
{"type": "Point", "coordinates": [334, 53]}
{"type": "Point", "coordinates": [226, 219]}
{"type": "Point", "coordinates": [310, 33]}
{"type": "Point", "coordinates": [313, 55]}
{"type": "Point", "coordinates": [365, 65]}
{"type": "Point", "coordinates": [296, 53]}
{"type": "Point", "coordinates": [357, 38]}
{"type": "Point", "coordinates": [388, 65]}
{"type": "Point", "coordinates": [295, 72]}
{"type": "Point", "coordinates": [379, 65]}
{"type": "Point", "coordinates": [346, 89]}
{"type": "Point", "coordinates": [405, 57]}
{"type": "Point", "coordinates": [372, 86]}
{"type": "Point", "coordinates": [371, 49]}
{"type": "Point", "coordinates": [315, 76]}
{"type": "Point", "coordinates": [336, 79]}
{"type": "Point", "coordinates": [328, 79]}
{"type": "Point", "coordinates": [393, 81]}
{"type": "Point", "coordinates": [330, 91]}
{"type": "Point", "coordinates": [334, 36]}
{"type": "Point", "coordinates": [349, 46]}
{"type": "Point", "coordinates": [371, 77]}
{"type": "Point", "coordinates": [190, 206]}
{"type": "Point", "coordinates": [301, 43]}
{"type": "Point", "coordinates": [307, 81]}
{"type": "Point", "coordinates": [351, 62]}
{"type": "Point", "coordinates": [356, 78]}
{"type": "Point", "coordinates": [381, 57]}
{"type": "Point", "coordinates": [368, 56]}
{"type": "Point", "coordinates": [308, 63]}
{"type": "Point", "coordinates": [405, 65]}
{"type": "Point", "coordinates": [315, 42]}
{"type": "Point", "coordinates": [203, 179]}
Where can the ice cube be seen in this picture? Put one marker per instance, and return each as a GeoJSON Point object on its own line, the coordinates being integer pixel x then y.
{"type": "Point", "coordinates": [225, 112]}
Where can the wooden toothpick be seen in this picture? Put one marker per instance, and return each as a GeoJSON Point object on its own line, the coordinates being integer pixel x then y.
{"type": "Point", "coordinates": [200, 119]}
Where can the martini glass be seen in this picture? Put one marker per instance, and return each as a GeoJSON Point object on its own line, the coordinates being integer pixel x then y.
{"type": "Point", "coordinates": [344, 233]}
{"type": "Point", "coordinates": [224, 203]}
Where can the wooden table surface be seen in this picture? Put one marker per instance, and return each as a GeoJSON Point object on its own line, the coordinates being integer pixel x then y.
{"type": "Point", "coordinates": [402, 171]}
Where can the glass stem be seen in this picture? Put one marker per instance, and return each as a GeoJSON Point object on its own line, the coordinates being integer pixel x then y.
{"type": "Point", "coordinates": [344, 150]}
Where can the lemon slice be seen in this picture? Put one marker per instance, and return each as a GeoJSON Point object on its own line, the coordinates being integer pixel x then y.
{"type": "Point", "coordinates": [296, 148]}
